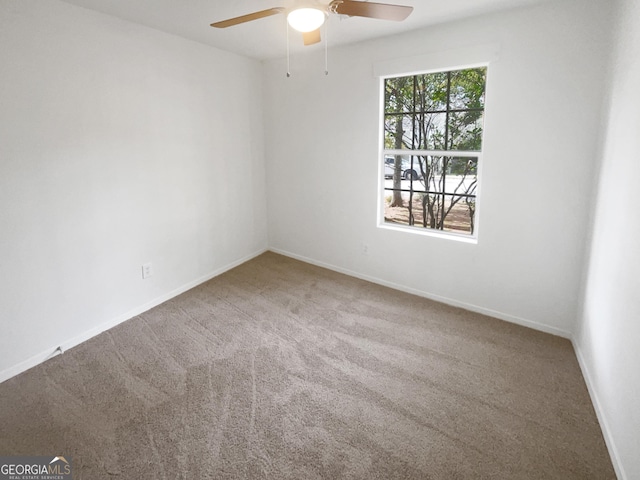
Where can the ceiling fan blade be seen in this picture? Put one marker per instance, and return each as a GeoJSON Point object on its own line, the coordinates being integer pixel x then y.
{"type": "Point", "coordinates": [383, 11]}
{"type": "Point", "coordinates": [248, 18]}
{"type": "Point", "coordinates": [311, 37]}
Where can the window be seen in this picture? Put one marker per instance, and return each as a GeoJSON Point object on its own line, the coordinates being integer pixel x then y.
{"type": "Point", "coordinates": [433, 126]}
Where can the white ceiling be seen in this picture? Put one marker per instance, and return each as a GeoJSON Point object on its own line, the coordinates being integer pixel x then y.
{"type": "Point", "coordinates": [266, 38]}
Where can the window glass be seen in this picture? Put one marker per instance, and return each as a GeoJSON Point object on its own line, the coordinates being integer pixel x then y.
{"type": "Point", "coordinates": [438, 119]}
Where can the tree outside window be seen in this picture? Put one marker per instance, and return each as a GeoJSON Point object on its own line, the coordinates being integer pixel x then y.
{"type": "Point", "coordinates": [433, 127]}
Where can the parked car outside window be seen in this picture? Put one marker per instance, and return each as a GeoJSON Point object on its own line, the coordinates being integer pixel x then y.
{"type": "Point", "coordinates": [407, 171]}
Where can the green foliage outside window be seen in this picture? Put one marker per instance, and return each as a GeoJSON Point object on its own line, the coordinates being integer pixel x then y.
{"type": "Point", "coordinates": [437, 112]}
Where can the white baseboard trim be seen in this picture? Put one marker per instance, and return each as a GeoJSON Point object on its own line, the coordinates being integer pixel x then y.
{"type": "Point", "coordinates": [602, 419]}
{"type": "Point", "coordinates": [449, 301]}
{"type": "Point", "coordinates": [61, 348]}
{"type": "Point", "coordinates": [83, 337]}
{"type": "Point", "coordinates": [55, 350]}
{"type": "Point", "coordinates": [604, 425]}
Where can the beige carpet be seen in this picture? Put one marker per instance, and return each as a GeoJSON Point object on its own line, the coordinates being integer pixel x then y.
{"type": "Point", "coordinates": [279, 369]}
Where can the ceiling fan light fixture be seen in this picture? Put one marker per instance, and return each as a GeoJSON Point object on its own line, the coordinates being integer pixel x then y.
{"type": "Point", "coordinates": [306, 19]}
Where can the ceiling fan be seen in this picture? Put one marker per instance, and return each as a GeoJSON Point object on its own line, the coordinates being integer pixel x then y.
{"type": "Point", "coordinates": [308, 18]}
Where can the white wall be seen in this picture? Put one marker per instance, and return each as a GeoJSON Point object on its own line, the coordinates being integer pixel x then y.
{"type": "Point", "coordinates": [544, 97]}
{"type": "Point", "coordinates": [608, 337]}
{"type": "Point", "coordinates": [119, 145]}
{"type": "Point", "coordinates": [122, 145]}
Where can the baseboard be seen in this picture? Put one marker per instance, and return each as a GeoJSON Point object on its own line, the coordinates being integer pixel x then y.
{"type": "Point", "coordinates": [62, 347]}
{"type": "Point", "coordinates": [449, 301]}
{"type": "Point", "coordinates": [83, 337]}
{"type": "Point", "coordinates": [615, 459]}
{"type": "Point", "coordinates": [602, 419]}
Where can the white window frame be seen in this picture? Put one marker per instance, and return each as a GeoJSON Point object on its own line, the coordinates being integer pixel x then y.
{"type": "Point", "coordinates": [459, 59]}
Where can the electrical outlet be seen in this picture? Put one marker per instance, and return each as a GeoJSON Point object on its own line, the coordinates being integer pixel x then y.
{"type": "Point", "coordinates": [147, 270]}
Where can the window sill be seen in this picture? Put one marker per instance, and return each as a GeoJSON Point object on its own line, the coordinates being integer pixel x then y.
{"type": "Point", "coordinates": [456, 237]}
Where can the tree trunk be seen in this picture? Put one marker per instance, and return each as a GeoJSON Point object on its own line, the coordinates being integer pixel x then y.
{"type": "Point", "coordinates": [397, 168]}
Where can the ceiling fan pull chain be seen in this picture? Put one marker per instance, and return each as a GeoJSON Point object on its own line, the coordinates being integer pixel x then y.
{"type": "Point", "coordinates": [326, 48]}
{"type": "Point", "coordinates": [288, 61]}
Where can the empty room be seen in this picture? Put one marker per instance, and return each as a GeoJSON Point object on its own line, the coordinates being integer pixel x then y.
{"type": "Point", "coordinates": [397, 240]}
